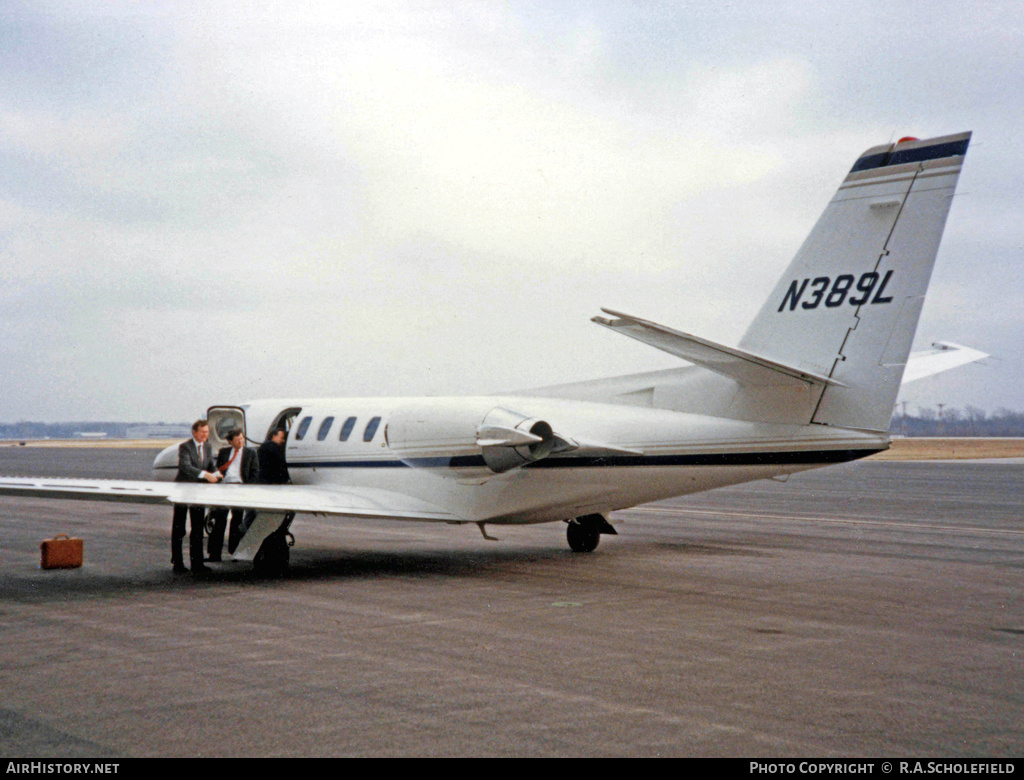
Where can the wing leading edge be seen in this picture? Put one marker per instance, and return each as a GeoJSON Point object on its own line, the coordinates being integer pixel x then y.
{"type": "Point", "coordinates": [347, 502]}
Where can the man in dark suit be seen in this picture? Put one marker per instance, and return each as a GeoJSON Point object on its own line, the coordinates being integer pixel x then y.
{"type": "Point", "coordinates": [273, 466]}
{"type": "Point", "coordinates": [238, 465]}
{"type": "Point", "coordinates": [195, 464]}
{"type": "Point", "coordinates": [273, 470]}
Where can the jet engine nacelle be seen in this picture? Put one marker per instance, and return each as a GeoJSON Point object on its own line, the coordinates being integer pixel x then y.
{"type": "Point", "coordinates": [165, 465]}
{"type": "Point", "coordinates": [469, 438]}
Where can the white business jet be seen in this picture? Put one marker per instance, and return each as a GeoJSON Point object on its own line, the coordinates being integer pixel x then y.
{"type": "Point", "coordinates": [812, 382]}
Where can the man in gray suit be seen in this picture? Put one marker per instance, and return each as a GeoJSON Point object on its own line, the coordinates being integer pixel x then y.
{"type": "Point", "coordinates": [195, 464]}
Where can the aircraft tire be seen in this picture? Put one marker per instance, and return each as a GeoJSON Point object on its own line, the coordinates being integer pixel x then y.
{"type": "Point", "coordinates": [272, 558]}
{"type": "Point", "coordinates": [583, 538]}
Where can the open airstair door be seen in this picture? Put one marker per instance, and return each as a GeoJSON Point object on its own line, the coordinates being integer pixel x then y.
{"type": "Point", "coordinates": [222, 420]}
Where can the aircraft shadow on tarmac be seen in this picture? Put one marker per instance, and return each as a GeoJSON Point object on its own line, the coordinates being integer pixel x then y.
{"type": "Point", "coordinates": [310, 566]}
{"type": "Point", "coordinates": [314, 564]}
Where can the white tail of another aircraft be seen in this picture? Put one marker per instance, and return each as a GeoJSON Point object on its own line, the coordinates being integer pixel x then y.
{"type": "Point", "coordinates": [830, 343]}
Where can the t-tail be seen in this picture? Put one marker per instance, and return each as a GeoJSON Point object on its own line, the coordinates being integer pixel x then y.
{"type": "Point", "coordinates": [848, 305]}
{"type": "Point", "coordinates": [831, 343]}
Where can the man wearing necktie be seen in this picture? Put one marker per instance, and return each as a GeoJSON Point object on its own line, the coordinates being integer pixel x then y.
{"type": "Point", "coordinates": [237, 464]}
{"type": "Point", "coordinates": [195, 464]}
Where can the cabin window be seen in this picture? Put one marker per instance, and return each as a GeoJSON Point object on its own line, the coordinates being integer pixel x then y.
{"type": "Point", "coordinates": [303, 427]}
{"type": "Point", "coordinates": [325, 428]}
{"type": "Point", "coordinates": [371, 429]}
{"type": "Point", "coordinates": [346, 429]}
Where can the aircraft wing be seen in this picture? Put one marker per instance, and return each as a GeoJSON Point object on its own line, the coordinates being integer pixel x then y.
{"type": "Point", "coordinates": [346, 502]}
{"type": "Point", "coordinates": [943, 356]}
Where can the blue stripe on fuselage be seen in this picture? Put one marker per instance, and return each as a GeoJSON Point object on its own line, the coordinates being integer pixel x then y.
{"type": "Point", "coordinates": [801, 457]}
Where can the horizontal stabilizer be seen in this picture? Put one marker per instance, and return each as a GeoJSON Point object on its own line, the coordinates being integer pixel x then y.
{"type": "Point", "coordinates": [943, 356]}
{"type": "Point", "coordinates": [745, 367]}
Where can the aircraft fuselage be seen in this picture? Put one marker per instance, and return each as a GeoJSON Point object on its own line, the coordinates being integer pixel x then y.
{"type": "Point", "coordinates": [612, 456]}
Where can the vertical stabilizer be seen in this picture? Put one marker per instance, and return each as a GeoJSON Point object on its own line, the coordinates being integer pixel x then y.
{"type": "Point", "coordinates": [848, 305]}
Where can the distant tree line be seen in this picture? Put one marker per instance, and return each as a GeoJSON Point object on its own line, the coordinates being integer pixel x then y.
{"type": "Point", "coordinates": [65, 430]}
{"type": "Point", "coordinates": [952, 421]}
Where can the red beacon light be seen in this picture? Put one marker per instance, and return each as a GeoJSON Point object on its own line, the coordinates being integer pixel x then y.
{"type": "Point", "coordinates": [906, 138]}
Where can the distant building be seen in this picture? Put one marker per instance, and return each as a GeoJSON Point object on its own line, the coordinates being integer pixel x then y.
{"type": "Point", "coordinates": [89, 435]}
{"type": "Point", "coordinates": [181, 430]}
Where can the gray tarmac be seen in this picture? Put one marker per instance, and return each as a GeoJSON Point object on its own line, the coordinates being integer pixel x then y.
{"type": "Point", "coordinates": [873, 609]}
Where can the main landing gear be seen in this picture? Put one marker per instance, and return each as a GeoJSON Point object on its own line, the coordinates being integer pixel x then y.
{"type": "Point", "coordinates": [583, 533]}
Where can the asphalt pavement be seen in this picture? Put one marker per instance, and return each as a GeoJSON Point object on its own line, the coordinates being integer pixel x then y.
{"type": "Point", "coordinates": [872, 609]}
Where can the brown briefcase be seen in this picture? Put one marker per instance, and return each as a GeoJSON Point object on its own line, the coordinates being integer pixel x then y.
{"type": "Point", "coordinates": [61, 552]}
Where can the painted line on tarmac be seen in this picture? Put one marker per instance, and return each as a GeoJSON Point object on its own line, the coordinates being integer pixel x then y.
{"type": "Point", "coordinates": [833, 521]}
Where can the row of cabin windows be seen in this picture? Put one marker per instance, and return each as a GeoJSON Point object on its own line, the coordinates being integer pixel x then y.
{"type": "Point", "coordinates": [346, 428]}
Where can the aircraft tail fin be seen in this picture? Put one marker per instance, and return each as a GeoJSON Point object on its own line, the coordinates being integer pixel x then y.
{"type": "Point", "coordinates": [848, 305]}
{"type": "Point", "coordinates": [831, 343]}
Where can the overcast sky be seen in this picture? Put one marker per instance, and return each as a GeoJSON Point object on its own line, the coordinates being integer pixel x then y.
{"type": "Point", "coordinates": [213, 202]}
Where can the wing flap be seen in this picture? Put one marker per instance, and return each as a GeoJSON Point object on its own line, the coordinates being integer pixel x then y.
{"type": "Point", "coordinates": [349, 501]}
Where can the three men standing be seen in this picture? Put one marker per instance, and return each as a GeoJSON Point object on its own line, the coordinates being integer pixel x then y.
{"type": "Point", "coordinates": [195, 464]}
{"type": "Point", "coordinates": [236, 464]}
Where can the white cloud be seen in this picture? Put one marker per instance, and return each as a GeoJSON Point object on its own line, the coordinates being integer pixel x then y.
{"type": "Point", "coordinates": [50, 135]}
{"type": "Point", "coordinates": [454, 189]}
